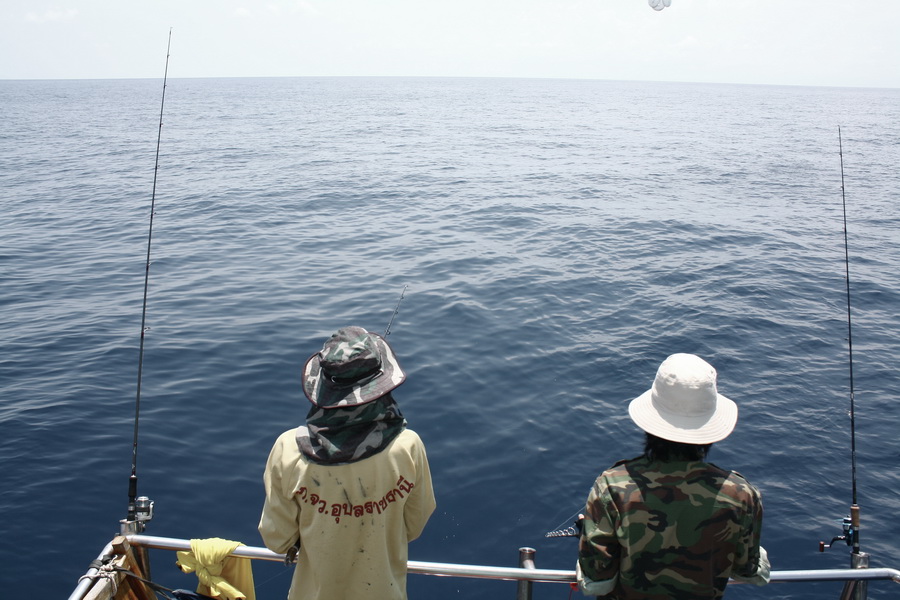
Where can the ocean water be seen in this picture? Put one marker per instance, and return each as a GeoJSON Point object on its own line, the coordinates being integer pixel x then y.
{"type": "Point", "coordinates": [558, 239]}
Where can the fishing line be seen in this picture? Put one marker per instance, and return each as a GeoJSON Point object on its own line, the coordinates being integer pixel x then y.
{"type": "Point", "coordinates": [854, 508]}
{"type": "Point", "coordinates": [132, 480]}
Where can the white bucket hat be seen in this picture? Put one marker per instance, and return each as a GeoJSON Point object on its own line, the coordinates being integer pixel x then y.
{"type": "Point", "coordinates": [683, 404]}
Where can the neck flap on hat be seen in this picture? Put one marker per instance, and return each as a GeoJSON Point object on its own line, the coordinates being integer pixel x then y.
{"type": "Point", "coordinates": [347, 434]}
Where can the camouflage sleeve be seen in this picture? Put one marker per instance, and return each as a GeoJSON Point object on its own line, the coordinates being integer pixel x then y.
{"type": "Point", "coordinates": [763, 572]}
{"type": "Point", "coordinates": [748, 559]}
{"type": "Point", "coordinates": [598, 548]}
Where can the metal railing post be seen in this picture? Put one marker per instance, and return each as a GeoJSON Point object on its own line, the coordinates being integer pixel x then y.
{"type": "Point", "coordinates": [526, 561]}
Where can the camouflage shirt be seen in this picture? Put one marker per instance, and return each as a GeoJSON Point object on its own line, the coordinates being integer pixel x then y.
{"type": "Point", "coordinates": [670, 530]}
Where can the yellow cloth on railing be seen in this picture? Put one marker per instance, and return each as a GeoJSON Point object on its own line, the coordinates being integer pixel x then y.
{"type": "Point", "coordinates": [220, 576]}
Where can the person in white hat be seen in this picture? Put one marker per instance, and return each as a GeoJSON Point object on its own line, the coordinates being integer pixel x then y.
{"type": "Point", "coordinates": [669, 524]}
{"type": "Point", "coordinates": [351, 488]}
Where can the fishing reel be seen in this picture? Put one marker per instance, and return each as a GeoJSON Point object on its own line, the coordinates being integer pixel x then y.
{"type": "Point", "coordinates": [572, 531]}
{"type": "Point", "coordinates": [143, 509]}
{"type": "Point", "coordinates": [849, 533]}
{"type": "Point", "coordinates": [138, 519]}
{"type": "Point", "coordinates": [290, 557]}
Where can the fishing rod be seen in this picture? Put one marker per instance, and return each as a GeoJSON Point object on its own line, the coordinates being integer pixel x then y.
{"type": "Point", "coordinates": [850, 522]}
{"type": "Point", "coordinates": [387, 331]}
{"type": "Point", "coordinates": [854, 506]}
{"type": "Point", "coordinates": [140, 509]}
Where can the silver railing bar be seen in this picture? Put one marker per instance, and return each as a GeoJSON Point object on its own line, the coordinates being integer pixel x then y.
{"type": "Point", "coordinates": [86, 581]}
{"type": "Point", "coordinates": [835, 575]}
{"type": "Point", "coordinates": [413, 566]}
{"type": "Point", "coordinates": [519, 574]}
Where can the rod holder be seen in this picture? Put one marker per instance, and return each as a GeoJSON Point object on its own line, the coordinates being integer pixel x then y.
{"type": "Point", "coordinates": [857, 589]}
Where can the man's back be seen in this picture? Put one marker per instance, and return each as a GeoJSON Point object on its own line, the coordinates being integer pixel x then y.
{"type": "Point", "coordinates": [670, 529]}
{"type": "Point", "coordinates": [354, 520]}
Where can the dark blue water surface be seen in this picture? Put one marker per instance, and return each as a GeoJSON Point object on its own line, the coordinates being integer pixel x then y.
{"type": "Point", "coordinates": [559, 239]}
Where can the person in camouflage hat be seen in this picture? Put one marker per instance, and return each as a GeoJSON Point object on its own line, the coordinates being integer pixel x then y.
{"type": "Point", "coordinates": [668, 525]}
{"type": "Point", "coordinates": [352, 487]}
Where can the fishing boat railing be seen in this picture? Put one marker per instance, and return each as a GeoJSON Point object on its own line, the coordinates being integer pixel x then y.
{"type": "Point", "coordinates": [526, 574]}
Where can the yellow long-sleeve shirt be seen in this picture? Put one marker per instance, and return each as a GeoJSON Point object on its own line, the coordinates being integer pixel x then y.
{"type": "Point", "coordinates": [354, 520]}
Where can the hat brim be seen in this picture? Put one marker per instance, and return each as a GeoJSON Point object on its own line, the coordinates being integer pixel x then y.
{"type": "Point", "coordinates": [322, 392]}
{"type": "Point", "coordinates": [703, 429]}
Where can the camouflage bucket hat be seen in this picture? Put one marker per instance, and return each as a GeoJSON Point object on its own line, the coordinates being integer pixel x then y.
{"type": "Point", "coordinates": [354, 367]}
{"type": "Point", "coordinates": [684, 405]}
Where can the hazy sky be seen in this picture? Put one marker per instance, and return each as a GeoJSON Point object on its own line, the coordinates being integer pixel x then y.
{"type": "Point", "coordinates": [794, 42]}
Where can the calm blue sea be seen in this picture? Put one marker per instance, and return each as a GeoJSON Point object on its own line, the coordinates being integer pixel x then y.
{"type": "Point", "coordinates": [559, 240]}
